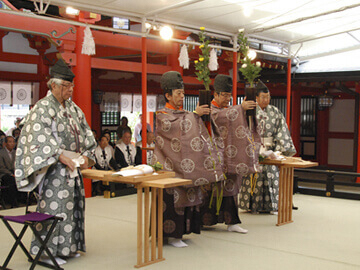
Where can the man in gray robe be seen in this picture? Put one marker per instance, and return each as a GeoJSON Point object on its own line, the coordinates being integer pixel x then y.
{"type": "Point", "coordinates": [260, 192]}
{"type": "Point", "coordinates": [239, 148]}
{"type": "Point", "coordinates": [54, 143]}
{"type": "Point", "coordinates": [183, 145]}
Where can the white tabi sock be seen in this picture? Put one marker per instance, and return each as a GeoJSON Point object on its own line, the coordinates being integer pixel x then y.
{"type": "Point", "coordinates": [177, 242]}
{"type": "Point", "coordinates": [236, 228]}
{"type": "Point", "coordinates": [74, 255]}
{"type": "Point", "coordinates": [46, 259]}
{"type": "Point", "coordinates": [273, 212]}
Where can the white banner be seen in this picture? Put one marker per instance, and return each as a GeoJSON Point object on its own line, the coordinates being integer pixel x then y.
{"type": "Point", "coordinates": [21, 93]}
{"type": "Point", "coordinates": [137, 103]}
{"type": "Point", "coordinates": [151, 103]}
{"type": "Point", "coordinates": [5, 93]}
{"type": "Point", "coordinates": [110, 102]}
{"type": "Point", "coordinates": [126, 102]}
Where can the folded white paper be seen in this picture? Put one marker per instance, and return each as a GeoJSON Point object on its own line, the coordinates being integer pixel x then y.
{"type": "Point", "coordinates": [137, 170]}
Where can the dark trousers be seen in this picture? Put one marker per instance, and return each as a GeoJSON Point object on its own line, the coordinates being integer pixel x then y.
{"type": "Point", "coordinates": [10, 194]}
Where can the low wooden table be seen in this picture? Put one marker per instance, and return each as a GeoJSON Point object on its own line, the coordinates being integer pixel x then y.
{"type": "Point", "coordinates": [153, 185]}
{"type": "Point", "coordinates": [286, 184]}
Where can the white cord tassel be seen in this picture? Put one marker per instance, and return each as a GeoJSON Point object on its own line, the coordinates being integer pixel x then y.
{"type": "Point", "coordinates": [184, 57]}
{"type": "Point", "coordinates": [213, 63]}
{"type": "Point", "coordinates": [88, 46]}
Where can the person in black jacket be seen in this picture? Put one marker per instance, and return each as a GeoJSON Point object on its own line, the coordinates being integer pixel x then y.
{"type": "Point", "coordinates": [104, 161]}
{"type": "Point", "coordinates": [126, 154]}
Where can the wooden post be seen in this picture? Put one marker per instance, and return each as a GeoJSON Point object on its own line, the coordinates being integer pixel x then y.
{"type": "Point", "coordinates": [160, 223]}
{"type": "Point", "coordinates": [288, 93]}
{"type": "Point", "coordinates": [139, 225]}
{"type": "Point", "coordinates": [144, 93]}
{"type": "Point", "coordinates": [147, 225]}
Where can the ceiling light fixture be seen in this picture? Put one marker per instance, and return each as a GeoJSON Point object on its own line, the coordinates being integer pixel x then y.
{"type": "Point", "coordinates": [72, 11]}
{"type": "Point", "coordinates": [166, 32]}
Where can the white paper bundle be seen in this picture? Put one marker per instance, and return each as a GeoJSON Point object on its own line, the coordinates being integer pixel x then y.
{"type": "Point", "coordinates": [137, 170]}
{"type": "Point", "coordinates": [21, 93]}
{"type": "Point", "coordinates": [5, 93]}
{"type": "Point", "coordinates": [184, 57]}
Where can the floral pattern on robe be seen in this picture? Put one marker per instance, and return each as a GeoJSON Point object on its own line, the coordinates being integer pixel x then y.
{"type": "Point", "coordinates": [183, 145]}
{"type": "Point", "coordinates": [239, 147]}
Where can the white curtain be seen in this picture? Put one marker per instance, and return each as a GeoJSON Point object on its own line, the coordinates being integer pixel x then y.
{"type": "Point", "coordinates": [151, 103]}
{"type": "Point", "coordinates": [5, 92]}
{"type": "Point", "coordinates": [22, 93]}
{"type": "Point", "coordinates": [137, 103]}
{"type": "Point", "coordinates": [126, 102]}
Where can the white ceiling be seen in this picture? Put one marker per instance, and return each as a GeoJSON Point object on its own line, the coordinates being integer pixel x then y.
{"type": "Point", "coordinates": [312, 28]}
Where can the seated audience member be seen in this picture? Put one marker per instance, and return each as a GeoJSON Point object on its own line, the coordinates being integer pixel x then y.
{"type": "Point", "coordinates": [126, 154]}
{"type": "Point", "coordinates": [17, 125]}
{"type": "Point", "coordinates": [119, 132]}
{"type": "Point", "coordinates": [150, 137]}
{"type": "Point", "coordinates": [2, 139]}
{"type": "Point", "coordinates": [104, 161]}
{"type": "Point", "coordinates": [107, 133]}
{"type": "Point", "coordinates": [16, 134]}
{"type": "Point", "coordinates": [7, 164]}
{"type": "Point", "coordinates": [95, 135]}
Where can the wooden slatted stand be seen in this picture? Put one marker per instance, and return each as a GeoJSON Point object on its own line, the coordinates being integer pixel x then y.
{"type": "Point", "coordinates": [286, 184]}
{"type": "Point", "coordinates": [151, 204]}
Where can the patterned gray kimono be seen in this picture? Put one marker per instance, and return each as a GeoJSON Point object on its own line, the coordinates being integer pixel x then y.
{"type": "Point", "coordinates": [261, 192]}
{"type": "Point", "coordinates": [49, 130]}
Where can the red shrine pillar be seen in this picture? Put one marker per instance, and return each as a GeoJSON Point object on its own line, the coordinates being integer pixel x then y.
{"type": "Point", "coordinates": [82, 90]}
{"type": "Point", "coordinates": [144, 94]}
{"type": "Point", "coordinates": [357, 88]}
{"type": "Point", "coordinates": [295, 117]}
{"type": "Point", "coordinates": [235, 71]}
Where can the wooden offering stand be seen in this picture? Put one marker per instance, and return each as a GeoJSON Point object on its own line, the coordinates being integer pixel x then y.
{"type": "Point", "coordinates": [153, 185]}
{"type": "Point", "coordinates": [286, 184]}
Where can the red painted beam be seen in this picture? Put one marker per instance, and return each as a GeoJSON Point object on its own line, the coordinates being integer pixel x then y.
{"type": "Point", "coordinates": [127, 66]}
{"type": "Point", "coordinates": [33, 24]}
{"type": "Point", "coordinates": [17, 76]}
{"type": "Point", "coordinates": [19, 58]}
{"type": "Point", "coordinates": [130, 42]}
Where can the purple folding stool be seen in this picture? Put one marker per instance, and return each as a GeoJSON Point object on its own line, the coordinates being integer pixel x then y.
{"type": "Point", "coordinates": [31, 219]}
